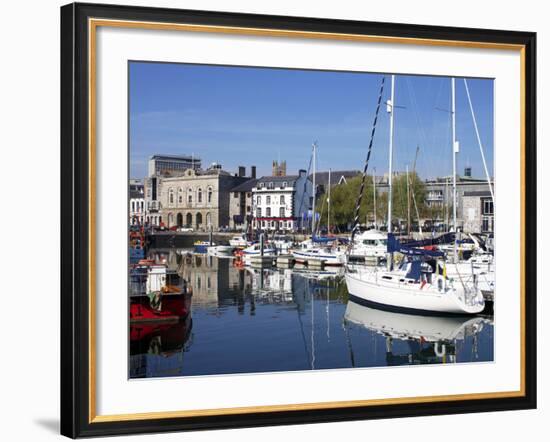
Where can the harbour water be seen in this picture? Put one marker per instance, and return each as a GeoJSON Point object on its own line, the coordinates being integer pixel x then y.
{"type": "Point", "coordinates": [250, 320]}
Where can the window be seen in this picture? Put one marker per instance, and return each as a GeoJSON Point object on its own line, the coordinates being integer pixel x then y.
{"type": "Point", "coordinates": [235, 194]}
{"type": "Point", "coordinates": [282, 199]}
{"type": "Point", "coordinates": [141, 206]}
{"type": "Point", "coordinates": [209, 195]}
{"type": "Point", "coordinates": [180, 195]}
{"type": "Point", "coordinates": [268, 212]}
{"type": "Point", "coordinates": [133, 206]}
{"type": "Point", "coordinates": [259, 212]}
{"type": "Point", "coordinates": [199, 195]}
{"type": "Point", "coordinates": [487, 207]}
{"type": "Point", "coordinates": [268, 199]}
{"type": "Point", "coordinates": [171, 196]}
{"type": "Point", "coordinates": [259, 200]}
{"type": "Point", "coordinates": [262, 184]}
{"type": "Point", "coordinates": [247, 209]}
{"type": "Point", "coordinates": [190, 196]}
{"type": "Point", "coordinates": [263, 223]}
{"type": "Point", "coordinates": [282, 212]}
{"type": "Point", "coordinates": [284, 184]}
{"type": "Point", "coordinates": [270, 185]}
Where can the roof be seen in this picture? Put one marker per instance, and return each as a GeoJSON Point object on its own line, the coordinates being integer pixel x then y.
{"type": "Point", "coordinates": [175, 157]}
{"type": "Point", "coordinates": [321, 178]}
{"type": "Point", "coordinates": [478, 193]}
{"type": "Point", "coordinates": [290, 179]}
{"type": "Point", "coordinates": [246, 186]}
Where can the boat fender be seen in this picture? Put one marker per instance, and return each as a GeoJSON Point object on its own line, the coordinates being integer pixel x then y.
{"type": "Point", "coordinates": [439, 352]}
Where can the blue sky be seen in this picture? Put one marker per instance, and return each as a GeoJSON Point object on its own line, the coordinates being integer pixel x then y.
{"type": "Point", "coordinates": [252, 116]}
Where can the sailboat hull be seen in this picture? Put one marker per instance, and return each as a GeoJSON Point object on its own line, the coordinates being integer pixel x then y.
{"type": "Point", "coordinates": [407, 300]}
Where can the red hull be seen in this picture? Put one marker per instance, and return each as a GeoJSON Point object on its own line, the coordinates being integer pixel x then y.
{"type": "Point", "coordinates": [174, 308]}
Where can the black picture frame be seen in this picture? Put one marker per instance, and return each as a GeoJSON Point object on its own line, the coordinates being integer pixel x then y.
{"type": "Point", "coordinates": [75, 220]}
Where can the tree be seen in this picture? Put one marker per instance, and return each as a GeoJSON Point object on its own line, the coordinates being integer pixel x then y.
{"type": "Point", "coordinates": [399, 199]}
{"type": "Point", "coordinates": [343, 199]}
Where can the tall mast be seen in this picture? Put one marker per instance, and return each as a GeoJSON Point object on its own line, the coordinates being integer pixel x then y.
{"type": "Point", "coordinates": [389, 108]}
{"type": "Point", "coordinates": [374, 192]}
{"type": "Point", "coordinates": [455, 147]}
{"type": "Point", "coordinates": [408, 204]}
{"type": "Point", "coordinates": [314, 193]}
{"type": "Point", "coordinates": [455, 150]}
{"type": "Point", "coordinates": [328, 203]}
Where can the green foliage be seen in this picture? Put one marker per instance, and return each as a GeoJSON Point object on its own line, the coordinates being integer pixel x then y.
{"type": "Point", "coordinates": [344, 199]}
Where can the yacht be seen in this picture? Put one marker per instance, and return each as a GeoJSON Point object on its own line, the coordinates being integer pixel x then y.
{"type": "Point", "coordinates": [370, 244]}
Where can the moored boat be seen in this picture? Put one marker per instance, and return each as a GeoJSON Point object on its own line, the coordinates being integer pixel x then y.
{"type": "Point", "coordinates": [419, 284]}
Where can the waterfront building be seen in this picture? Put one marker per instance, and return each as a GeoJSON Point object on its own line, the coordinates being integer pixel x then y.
{"type": "Point", "coordinates": [137, 202]}
{"type": "Point", "coordinates": [240, 204]}
{"type": "Point", "coordinates": [197, 199]}
{"type": "Point", "coordinates": [282, 203]}
{"type": "Point", "coordinates": [478, 212]}
{"type": "Point", "coordinates": [439, 197]}
{"type": "Point", "coordinates": [172, 164]}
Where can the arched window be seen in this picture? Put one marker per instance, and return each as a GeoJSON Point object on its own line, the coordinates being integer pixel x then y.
{"type": "Point", "coordinates": [209, 194]}
{"type": "Point", "coordinates": [133, 206]}
{"type": "Point", "coordinates": [171, 196]}
{"type": "Point", "coordinates": [268, 212]}
{"type": "Point", "coordinates": [199, 219]}
{"type": "Point", "coordinates": [180, 196]}
{"type": "Point", "coordinates": [190, 196]}
{"type": "Point", "coordinates": [199, 195]}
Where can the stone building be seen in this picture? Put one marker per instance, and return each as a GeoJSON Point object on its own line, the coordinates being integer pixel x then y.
{"type": "Point", "coordinates": [478, 212]}
{"type": "Point", "coordinates": [439, 195]}
{"type": "Point", "coordinates": [196, 198]}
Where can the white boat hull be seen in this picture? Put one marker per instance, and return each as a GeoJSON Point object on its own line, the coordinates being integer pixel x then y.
{"type": "Point", "coordinates": [327, 258]}
{"type": "Point", "coordinates": [409, 297]}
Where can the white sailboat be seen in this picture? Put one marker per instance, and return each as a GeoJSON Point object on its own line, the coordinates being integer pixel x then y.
{"type": "Point", "coordinates": [420, 283]}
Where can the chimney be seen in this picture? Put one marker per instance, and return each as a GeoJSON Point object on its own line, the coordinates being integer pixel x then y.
{"type": "Point", "coordinates": [242, 171]}
{"type": "Point", "coordinates": [253, 172]}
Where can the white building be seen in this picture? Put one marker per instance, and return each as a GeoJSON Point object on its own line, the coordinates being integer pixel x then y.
{"type": "Point", "coordinates": [137, 202]}
{"type": "Point", "coordinates": [282, 202]}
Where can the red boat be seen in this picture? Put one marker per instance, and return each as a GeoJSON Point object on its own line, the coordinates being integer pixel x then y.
{"type": "Point", "coordinates": [155, 298]}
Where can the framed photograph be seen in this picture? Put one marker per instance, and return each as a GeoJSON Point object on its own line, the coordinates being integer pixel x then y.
{"type": "Point", "coordinates": [274, 220]}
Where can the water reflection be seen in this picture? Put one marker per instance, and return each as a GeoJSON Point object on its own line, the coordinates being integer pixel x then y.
{"type": "Point", "coordinates": [429, 339]}
{"type": "Point", "coordinates": [247, 320]}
